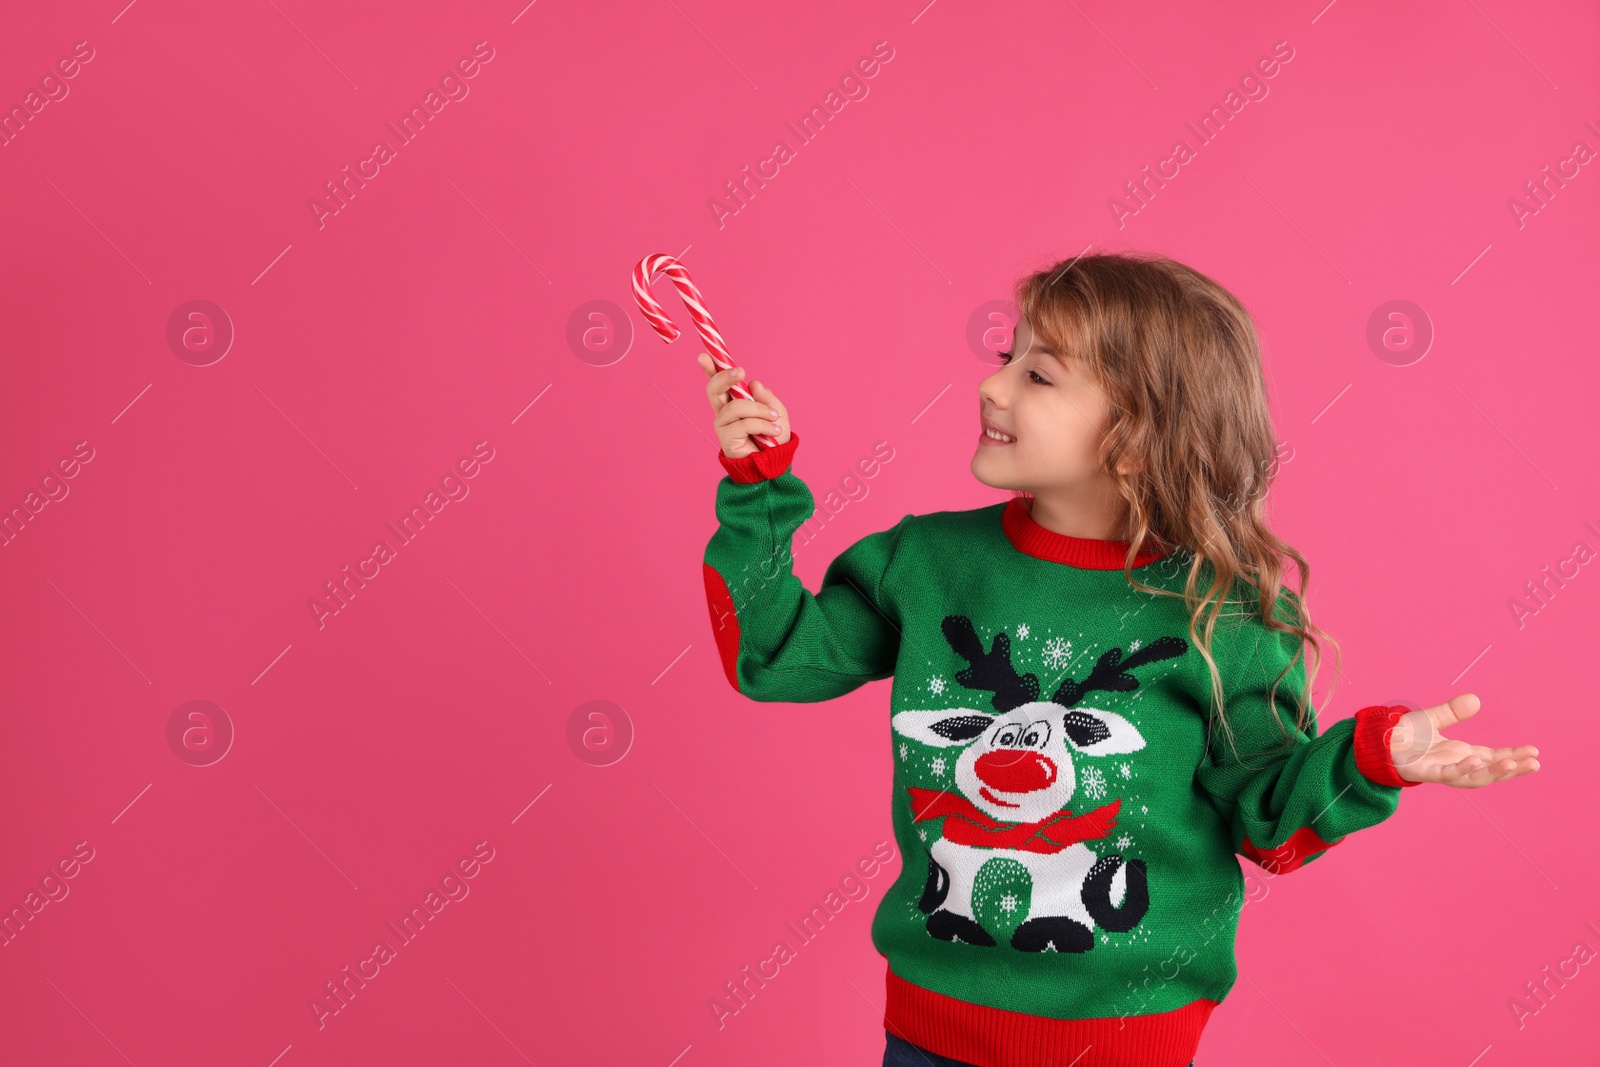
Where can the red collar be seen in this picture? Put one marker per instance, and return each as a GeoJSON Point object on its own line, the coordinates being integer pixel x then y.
{"type": "Point", "coordinates": [1087, 553]}
{"type": "Point", "coordinates": [968, 825]}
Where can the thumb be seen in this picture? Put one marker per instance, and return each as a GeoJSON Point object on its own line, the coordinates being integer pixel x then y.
{"type": "Point", "coordinates": [1457, 709]}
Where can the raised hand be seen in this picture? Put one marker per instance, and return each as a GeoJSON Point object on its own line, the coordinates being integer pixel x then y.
{"type": "Point", "coordinates": [737, 418]}
{"type": "Point", "coordinates": [1423, 754]}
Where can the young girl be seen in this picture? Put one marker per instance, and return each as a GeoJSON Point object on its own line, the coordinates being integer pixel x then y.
{"type": "Point", "coordinates": [1093, 708]}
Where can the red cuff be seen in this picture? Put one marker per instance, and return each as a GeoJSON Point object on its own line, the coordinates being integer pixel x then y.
{"type": "Point", "coordinates": [1374, 725]}
{"type": "Point", "coordinates": [761, 465]}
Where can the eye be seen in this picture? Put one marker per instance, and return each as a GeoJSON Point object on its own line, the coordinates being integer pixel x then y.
{"type": "Point", "coordinates": [1033, 375]}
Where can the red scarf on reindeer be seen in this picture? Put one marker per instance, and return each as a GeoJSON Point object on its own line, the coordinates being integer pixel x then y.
{"type": "Point", "coordinates": [972, 826]}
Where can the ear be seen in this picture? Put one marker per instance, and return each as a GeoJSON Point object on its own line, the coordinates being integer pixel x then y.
{"type": "Point", "coordinates": [1100, 733]}
{"type": "Point", "coordinates": [952, 726]}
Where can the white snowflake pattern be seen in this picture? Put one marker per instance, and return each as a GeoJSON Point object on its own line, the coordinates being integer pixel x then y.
{"type": "Point", "coordinates": [922, 834]}
{"type": "Point", "coordinates": [938, 765]}
{"type": "Point", "coordinates": [903, 750]}
{"type": "Point", "coordinates": [1133, 646]}
{"type": "Point", "coordinates": [1145, 808]}
{"type": "Point", "coordinates": [1094, 782]}
{"type": "Point", "coordinates": [937, 685]}
{"type": "Point", "coordinates": [1056, 652]}
{"type": "Point", "coordinates": [1124, 841]}
{"type": "Point", "coordinates": [1022, 632]}
{"type": "Point", "coordinates": [1125, 770]}
{"type": "Point", "coordinates": [1009, 902]}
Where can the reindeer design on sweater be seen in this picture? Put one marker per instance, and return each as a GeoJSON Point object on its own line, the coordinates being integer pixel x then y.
{"type": "Point", "coordinates": [1015, 775]}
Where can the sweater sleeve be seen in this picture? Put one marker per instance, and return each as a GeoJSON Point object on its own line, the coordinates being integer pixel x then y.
{"type": "Point", "coordinates": [1289, 795]}
{"type": "Point", "coordinates": [777, 640]}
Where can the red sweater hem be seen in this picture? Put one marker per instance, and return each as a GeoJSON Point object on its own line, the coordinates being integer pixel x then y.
{"type": "Point", "coordinates": [1374, 758]}
{"type": "Point", "coordinates": [762, 465]}
{"type": "Point", "coordinates": [1085, 553]}
{"type": "Point", "coordinates": [995, 1037]}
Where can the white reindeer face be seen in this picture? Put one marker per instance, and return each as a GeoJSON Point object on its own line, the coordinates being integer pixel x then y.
{"type": "Point", "coordinates": [1017, 766]}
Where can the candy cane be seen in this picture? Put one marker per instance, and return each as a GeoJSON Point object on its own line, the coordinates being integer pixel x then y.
{"type": "Point", "coordinates": [678, 274]}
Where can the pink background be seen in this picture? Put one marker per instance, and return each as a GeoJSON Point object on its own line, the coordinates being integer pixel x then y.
{"type": "Point", "coordinates": [372, 353]}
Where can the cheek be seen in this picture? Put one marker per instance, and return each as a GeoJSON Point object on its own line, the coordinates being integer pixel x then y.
{"type": "Point", "coordinates": [1082, 416]}
{"type": "Point", "coordinates": [1061, 434]}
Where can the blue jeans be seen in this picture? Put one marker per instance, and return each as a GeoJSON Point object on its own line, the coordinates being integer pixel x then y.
{"type": "Point", "coordinates": [899, 1052]}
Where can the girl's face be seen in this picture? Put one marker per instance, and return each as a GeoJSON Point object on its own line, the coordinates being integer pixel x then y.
{"type": "Point", "coordinates": [1054, 415]}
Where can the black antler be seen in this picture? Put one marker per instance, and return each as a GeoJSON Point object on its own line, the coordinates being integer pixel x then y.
{"type": "Point", "coordinates": [1112, 673]}
{"type": "Point", "coordinates": [990, 670]}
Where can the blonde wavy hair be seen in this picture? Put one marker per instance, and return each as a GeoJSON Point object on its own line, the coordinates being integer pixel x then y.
{"type": "Point", "coordinates": [1178, 358]}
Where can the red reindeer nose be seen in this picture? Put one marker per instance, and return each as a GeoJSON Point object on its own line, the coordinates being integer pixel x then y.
{"type": "Point", "coordinates": [1016, 770]}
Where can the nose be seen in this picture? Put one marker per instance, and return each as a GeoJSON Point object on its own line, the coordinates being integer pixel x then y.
{"type": "Point", "coordinates": [989, 389]}
{"type": "Point", "coordinates": [1016, 770]}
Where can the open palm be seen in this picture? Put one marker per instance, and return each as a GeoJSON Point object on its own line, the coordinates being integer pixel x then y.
{"type": "Point", "coordinates": [1423, 754]}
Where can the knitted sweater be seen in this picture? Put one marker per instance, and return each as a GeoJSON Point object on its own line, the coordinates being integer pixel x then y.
{"type": "Point", "coordinates": [1067, 804]}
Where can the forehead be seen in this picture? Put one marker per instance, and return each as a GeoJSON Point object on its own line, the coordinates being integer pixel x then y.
{"type": "Point", "coordinates": [1025, 338]}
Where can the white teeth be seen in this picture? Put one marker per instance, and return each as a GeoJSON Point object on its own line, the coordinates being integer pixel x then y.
{"type": "Point", "coordinates": [997, 435]}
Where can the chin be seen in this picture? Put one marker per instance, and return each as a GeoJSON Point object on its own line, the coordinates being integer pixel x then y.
{"type": "Point", "coordinates": [987, 479]}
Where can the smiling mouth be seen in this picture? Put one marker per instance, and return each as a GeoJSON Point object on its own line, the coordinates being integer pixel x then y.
{"type": "Point", "coordinates": [991, 798]}
{"type": "Point", "coordinates": [996, 437]}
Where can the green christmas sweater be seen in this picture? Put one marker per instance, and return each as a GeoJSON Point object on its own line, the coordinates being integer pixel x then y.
{"type": "Point", "coordinates": [1067, 810]}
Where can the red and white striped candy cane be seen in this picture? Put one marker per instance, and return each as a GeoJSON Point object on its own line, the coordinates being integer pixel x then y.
{"type": "Point", "coordinates": [678, 274]}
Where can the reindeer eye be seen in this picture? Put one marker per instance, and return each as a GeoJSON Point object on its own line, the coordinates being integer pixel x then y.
{"type": "Point", "coordinates": [1038, 733]}
{"type": "Point", "coordinates": [1008, 735]}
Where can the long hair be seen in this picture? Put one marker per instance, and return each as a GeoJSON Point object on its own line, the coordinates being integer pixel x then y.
{"type": "Point", "coordinates": [1178, 358]}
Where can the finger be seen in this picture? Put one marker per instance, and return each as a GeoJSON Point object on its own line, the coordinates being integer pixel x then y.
{"type": "Point", "coordinates": [1467, 773]}
{"type": "Point", "coordinates": [1486, 773]}
{"type": "Point", "coordinates": [1499, 772]}
{"type": "Point", "coordinates": [1519, 753]}
{"type": "Point", "coordinates": [719, 387]}
{"type": "Point", "coordinates": [741, 409]}
{"type": "Point", "coordinates": [750, 427]}
{"type": "Point", "coordinates": [1456, 709]}
{"type": "Point", "coordinates": [709, 365]}
{"type": "Point", "coordinates": [1518, 768]}
{"type": "Point", "coordinates": [759, 390]}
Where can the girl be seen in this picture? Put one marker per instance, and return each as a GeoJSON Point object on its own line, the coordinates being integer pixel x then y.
{"type": "Point", "coordinates": [1100, 687]}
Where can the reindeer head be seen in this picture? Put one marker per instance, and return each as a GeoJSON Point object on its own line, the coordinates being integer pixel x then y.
{"type": "Point", "coordinates": [1017, 763]}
